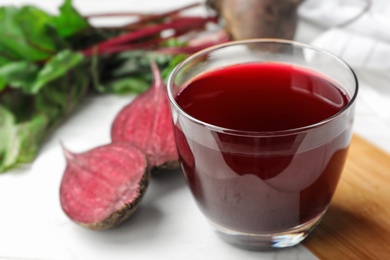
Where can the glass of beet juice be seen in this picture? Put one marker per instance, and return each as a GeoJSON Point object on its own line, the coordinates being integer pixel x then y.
{"type": "Point", "coordinates": [263, 128]}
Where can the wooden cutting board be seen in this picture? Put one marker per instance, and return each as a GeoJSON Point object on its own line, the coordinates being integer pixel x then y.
{"type": "Point", "coordinates": [357, 224]}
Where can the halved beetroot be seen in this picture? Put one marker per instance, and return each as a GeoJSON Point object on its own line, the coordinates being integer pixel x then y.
{"type": "Point", "coordinates": [147, 123]}
{"type": "Point", "coordinates": [102, 187]}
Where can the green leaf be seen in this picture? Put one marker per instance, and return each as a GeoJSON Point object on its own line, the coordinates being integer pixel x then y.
{"type": "Point", "coordinates": [19, 143]}
{"type": "Point", "coordinates": [28, 33]}
{"type": "Point", "coordinates": [8, 137]}
{"type": "Point", "coordinates": [173, 42]}
{"type": "Point", "coordinates": [128, 86]}
{"type": "Point", "coordinates": [18, 103]}
{"type": "Point", "coordinates": [20, 74]}
{"type": "Point", "coordinates": [3, 84]}
{"type": "Point", "coordinates": [129, 72]}
{"type": "Point", "coordinates": [56, 67]}
{"type": "Point", "coordinates": [4, 60]}
{"type": "Point", "coordinates": [31, 134]}
{"type": "Point", "coordinates": [23, 126]}
{"type": "Point", "coordinates": [69, 20]}
{"type": "Point", "coordinates": [171, 65]}
{"type": "Point", "coordinates": [24, 34]}
{"type": "Point", "coordinates": [60, 97]}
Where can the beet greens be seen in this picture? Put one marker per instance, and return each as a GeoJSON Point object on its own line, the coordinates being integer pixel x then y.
{"type": "Point", "coordinates": [48, 64]}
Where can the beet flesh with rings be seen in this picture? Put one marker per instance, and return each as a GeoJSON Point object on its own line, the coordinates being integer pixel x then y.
{"type": "Point", "coordinates": [102, 187]}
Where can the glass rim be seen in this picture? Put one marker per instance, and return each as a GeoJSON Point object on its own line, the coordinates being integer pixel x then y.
{"type": "Point", "coordinates": [259, 133]}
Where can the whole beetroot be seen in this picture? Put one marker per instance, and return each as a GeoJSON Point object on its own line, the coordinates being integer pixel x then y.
{"type": "Point", "coordinates": [102, 187]}
{"type": "Point", "coordinates": [246, 19]}
{"type": "Point", "coordinates": [147, 123]}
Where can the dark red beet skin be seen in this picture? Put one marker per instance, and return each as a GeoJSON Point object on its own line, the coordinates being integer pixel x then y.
{"type": "Point", "coordinates": [147, 123]}
{"type": "Point", "coordinates": [102, 187]}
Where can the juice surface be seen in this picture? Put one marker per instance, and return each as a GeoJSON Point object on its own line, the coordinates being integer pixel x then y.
{"type": "Point", "coordinates": [261, 97]}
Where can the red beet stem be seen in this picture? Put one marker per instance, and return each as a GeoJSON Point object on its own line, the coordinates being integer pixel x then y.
{"type": "Point", "coordinates": [146, 45]}
{"type": "Point", "coordinates": [191, 49]}
{"type": "Point", "coordinates": [158, 80]}
{"type": "Point", "coordinates": [153, 17]}
{"type": "Point", "coordinates": [180, 24]}
{"type": "Point", "coordinates": [185, 50]}
{"type": "Point", "coordinates": [127, 47]}
{"type": "Point", "coordinates": [143, 17]}
{"type": "Point", "coordinates": [100, 15]}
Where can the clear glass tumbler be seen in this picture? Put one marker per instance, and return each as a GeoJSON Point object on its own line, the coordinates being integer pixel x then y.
{"type": "Point", "coordinates": [265, 188]}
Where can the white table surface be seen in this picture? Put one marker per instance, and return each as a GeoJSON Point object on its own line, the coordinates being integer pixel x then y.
{"type": "Point", "coordinates": [167, 226]}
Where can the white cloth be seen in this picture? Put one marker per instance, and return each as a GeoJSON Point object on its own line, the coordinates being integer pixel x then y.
{"type": "Point", "coordinates": [360, 36]}
{"type": "Point", "coordinates": [365, 41]}
{"type": "Point", "coordinates": [375, 22]}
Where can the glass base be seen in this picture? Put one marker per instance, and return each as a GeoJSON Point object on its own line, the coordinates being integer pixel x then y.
{"type": "Point", "coordinates": [250, 241]}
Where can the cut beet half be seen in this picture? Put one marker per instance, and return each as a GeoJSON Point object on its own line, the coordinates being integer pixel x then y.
{"type": "Point", "coordinates": [147, 123]}
{"type": "Point", "coordinates": [102, 187]}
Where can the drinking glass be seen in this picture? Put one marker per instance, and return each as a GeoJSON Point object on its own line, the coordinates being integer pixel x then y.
{"type": "Point", "coordinates": [263, 189]}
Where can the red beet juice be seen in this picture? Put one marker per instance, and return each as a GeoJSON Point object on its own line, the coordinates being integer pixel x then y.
{"type": "Point", "coordinates": [266, 175]}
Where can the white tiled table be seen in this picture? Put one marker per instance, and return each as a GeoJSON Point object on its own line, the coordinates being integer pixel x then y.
{"type": "Point", "coordinates": [168, 224]}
